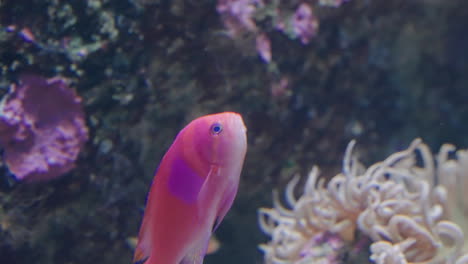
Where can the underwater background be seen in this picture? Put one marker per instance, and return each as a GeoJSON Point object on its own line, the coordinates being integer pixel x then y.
{"type": "Point", "coordinates": [307, 76]}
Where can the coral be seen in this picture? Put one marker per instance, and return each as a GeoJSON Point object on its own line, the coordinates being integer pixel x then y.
{"type": "Point", "coordinates": [332, 3]}
{"type": "Point", "coordinates": [263, 45]}
{"type": "Point", "coordinates": [395, 203]}
{"type": "Point", "coordinates": [57, 37]}
{"type": "Point", "coordinates": [42, 128]}
{"type": "Point", "coordinates": [296, 19]}
{"type": "Point", "coordinates": [378, 71]}
{"type": "Point", "coordinates": [304, 23]}
{"type": "Point", "coordinates": [237, 15]}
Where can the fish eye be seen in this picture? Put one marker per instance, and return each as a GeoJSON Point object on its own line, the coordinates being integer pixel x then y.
{"type": "Point", "coordinates": [216, 128]}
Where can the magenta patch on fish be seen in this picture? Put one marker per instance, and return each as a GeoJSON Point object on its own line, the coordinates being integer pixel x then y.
{"type": "Point", "coordinates": [184, 182]}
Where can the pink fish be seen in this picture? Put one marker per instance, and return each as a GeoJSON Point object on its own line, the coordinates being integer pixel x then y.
{"type": "Point", "coordinates": [193, 189]}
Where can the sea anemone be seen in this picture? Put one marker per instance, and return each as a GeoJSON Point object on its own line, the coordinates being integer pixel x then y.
{"type": "Point", "coordinates": [403, 204]}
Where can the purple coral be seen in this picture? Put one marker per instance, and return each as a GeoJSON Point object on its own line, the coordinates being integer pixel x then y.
{"type": "Point", "coordinates": [264, 47]}
{"type": "Point", "coordinates": [42, 128]}
{"type": "Point", "coordinates": [304, 23]}
{"type": "Point", "coordinates": [237, 15]}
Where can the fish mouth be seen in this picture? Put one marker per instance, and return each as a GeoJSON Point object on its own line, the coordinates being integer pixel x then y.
{"type": "Point", "coordinates": [236, 120]}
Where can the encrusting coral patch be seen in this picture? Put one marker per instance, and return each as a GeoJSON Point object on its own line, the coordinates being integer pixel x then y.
{"type": "Point", "coordinates": [405, 205]}
{"type": "Point", "coordinates": [42, 128]}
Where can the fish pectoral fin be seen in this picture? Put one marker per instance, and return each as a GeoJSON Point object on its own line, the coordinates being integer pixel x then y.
{"type": "Point", "coordinates": [209, 186]}
{"type": "Point", "coordinates": [198, 252]}
{"type": "Point", "coordinates": [139, 257]}
{"type": "Point", "coordinates": [226, 204]}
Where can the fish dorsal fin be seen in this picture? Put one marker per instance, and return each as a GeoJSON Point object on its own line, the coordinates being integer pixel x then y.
{"type": "Point", "coordinates": [141, 261]}
{"type": "Point", "coordinates": [142, 251]}
{"type": "Point", "coordinates": [140, 256]}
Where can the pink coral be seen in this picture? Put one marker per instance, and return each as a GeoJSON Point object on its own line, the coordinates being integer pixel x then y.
{"type": "Point", "coordinates": [42, 128]}
{"type": "Point", "coordinates": [237, 15]}
{"type": "Point", "coordinates": [264, 47]}
{"type": "Point", "coordinates": [304, 23]}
